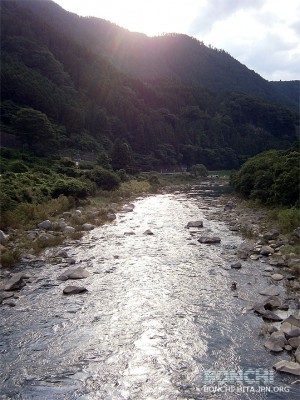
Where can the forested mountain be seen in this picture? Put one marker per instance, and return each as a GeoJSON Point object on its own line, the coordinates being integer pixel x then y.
{"type": "Point", "coordinates": [73, 84]}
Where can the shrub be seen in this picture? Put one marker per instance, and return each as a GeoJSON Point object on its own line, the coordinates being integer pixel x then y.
{"type": "Point", "coordinates": [18, 166]}
{"type": "Point", "coordinates": [71, 187]}
{"type": "Point", "coordinates": [104, 179]}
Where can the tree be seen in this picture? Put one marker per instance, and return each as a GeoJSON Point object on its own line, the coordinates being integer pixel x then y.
{"type": "Point", "coordinates": [122, 157]}
{"type": "Point", "coordinates": [35, 130]}
{"type": "Point", "coordinates": [198, 170]}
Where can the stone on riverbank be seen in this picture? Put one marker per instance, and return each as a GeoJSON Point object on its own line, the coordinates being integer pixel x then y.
{"type": "Point", "coordinates": [148, 232]}
{"type": "Point", "coordinates": [294, 342]}
{"type": "Point", "coordinates": [276, 342]}
{"type": "Point", "coordinates": [288, 367]}
{"type": "Point", "coordinates": [88, 227]}
{"type": "Point", "coordinates": [293, 321]}
{"type": "Point", "coordinates": [16, 282]}
{"type": "Point", "coordinates": [266, 250]}
{"type": "Point", "coordinates": [45, 224]}
{"type": "Point", "coordinates": [195, 224]}
{"type": "Point", "coordinates": [74, 273]}
{"type": "Point", "coordinates": [270, 291]}
{"type": "Point", "coordinates": [277, 277]}
{"type": "Point", "coordinates": [269, 315]}
{"type": "Point", "coordinates": [74, 290]}
{"type": "Point", "coordinates": [209, 239]}
{"type": "Point", "coordinates": [236, 265]}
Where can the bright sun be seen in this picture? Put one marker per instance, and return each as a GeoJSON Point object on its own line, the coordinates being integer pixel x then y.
{"type": "Point", "coordinates": [152, 17]}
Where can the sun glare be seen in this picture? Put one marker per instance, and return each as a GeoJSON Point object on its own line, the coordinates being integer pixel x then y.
{"type": "Point", "coordinates": [150, 17]}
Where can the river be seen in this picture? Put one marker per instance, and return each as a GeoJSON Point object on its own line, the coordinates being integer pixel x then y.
{"type": "Point", "coordinates": [159, 314]}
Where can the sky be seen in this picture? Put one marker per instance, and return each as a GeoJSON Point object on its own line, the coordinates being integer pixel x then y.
{"type": "Point", "coordinates": [262, 34]}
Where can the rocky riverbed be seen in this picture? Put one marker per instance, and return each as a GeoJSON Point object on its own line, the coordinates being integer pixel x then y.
{"type": "Point", "coordinates": [145, 305]}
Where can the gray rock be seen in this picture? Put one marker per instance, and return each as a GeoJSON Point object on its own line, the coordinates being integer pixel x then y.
{"type": "Point", "coordinates": [229, 207]}
{"type": "Point", "coordinates": [128, 207]}
{"type": "Point", "coordinates": [244, 250]}
{"type": "Point", "coordinates": [16, 282]}
{"type": "Point", "coordinates": [272, 329]}
{"type": "Point", "coordinates": [5, 295]}
{"type": "Point", "coordinates": [270, 291]}
{"type": "Point", "coordinates": [289, 330]}
{"type": "Point", "coordinates": [277, 262]}
{"type": "Point", "coordinates": [74, 273]}
{"type": "Point", "coordinates": [62, 253]}
{"type": "Point", "coordinates": [287, 347]}
{"type": "Point", "coordinates": [3, 237]}
{"type": "Point", "coordinates": [294, 342]}
{"type": "Point", "coordinates": [266, 250]}
{"type": "Point", "coordinates": [111, 216]}
{"type": "Point", "coordinates": [269, 269]}
{"type": "Point", "coordinates": [67, 214]}
{"type": "Point", "coordinates": [209, 239]}
{"type": "Point", "coordinates": [269, 315]}
{"type": "Point", "coordinates": [88, 227]}
{"type": "Point", "coordinates": [297, 232]}
{"type": "Point", "coordinates": [148, 232]}
{"type": "Point", "coordinates": [236, 265]}
{"type": "Point", "coordinates": [293, 321]}
{"type": "Point", "coordinates": [45, 224]}
{"type": "Point", "coordinates": [276, 342]}
{"type": "Point", "coordinates": [277, 277]}
{"type": "Point", "coordinates": [195, 224]}
{"type": "Point", "coordinates": [74, 289]}
{"type": "Point", "coordinates": [78, 213]}
{"type": "Point", "coordinates": [271, 235]}
{"type": "Point", "coordinates": [287, 366]}
{"type": "Point", "coordinates": [69, 229]}
{"type": "Point", "coordinates": [131, 233]}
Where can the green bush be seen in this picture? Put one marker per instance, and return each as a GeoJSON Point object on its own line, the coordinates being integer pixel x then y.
{"type": "Point", "coordinates": [104, 179]}
{"type": "Point", "coordinates": [271, 177]}
{"type": "Point", "coordinates": [71, 187]}
{"type": "Point", "coordinates": [18, 166]}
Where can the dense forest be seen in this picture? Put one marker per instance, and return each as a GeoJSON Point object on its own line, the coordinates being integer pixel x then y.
{"type": "Point", "coordinates": [166, 102]}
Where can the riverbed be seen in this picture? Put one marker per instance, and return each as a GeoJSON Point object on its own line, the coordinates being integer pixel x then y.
{"type": "Point", "coordinates": [159, 316]}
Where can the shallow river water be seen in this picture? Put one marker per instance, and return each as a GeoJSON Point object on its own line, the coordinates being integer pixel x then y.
{"type": "Point", "coordinates": [158, 317]}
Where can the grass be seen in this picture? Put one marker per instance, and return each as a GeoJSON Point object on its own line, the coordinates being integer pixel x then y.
{"type": "Point", "coordinates": [9, 258]}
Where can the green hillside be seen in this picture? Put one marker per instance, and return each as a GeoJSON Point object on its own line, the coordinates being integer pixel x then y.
{"type": "Point", "coordinates": [171, 100]}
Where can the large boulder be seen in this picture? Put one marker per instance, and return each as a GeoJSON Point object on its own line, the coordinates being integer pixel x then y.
{"type": "Point", "coordinates": [195, 224]}
{"type": "Point", "coordinates": [45, 224]}
{"type": "Point", "coordinates": [271, 235]}
{"type": "Point", "coordinates": [16, 282]}
{"type": "Point", "coordinates": [294, 342]}
{"type": "Point", "coordinates": [271, 316]}
{"type": "Point", "coordinates": [276, 342]}
{"type": "Point", "coordinates": [244, 250]}
{"type": "Point", "coordinates": [209, 239]}
{"type": "Point", "coordinates": [266, 251]}
{"type": "Point", "coordinates": [88, 227]}
{"type": "Point", "coordinates": [287, 366]}
{"type": "Point", "coordinates": [277, 277]}
{"type": "Point", "coordinates": [148, 232]}
{"type": "Point", "coordinates": [293, 321]}
{"type": "Point", "coordinates": [74, 290]}
{"type": "Point", "coordinates": [236, 265]}
{"type": "Point", "coordinates": [270, 291]}
{"type": "Point", "coordinates": [74, 273]}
